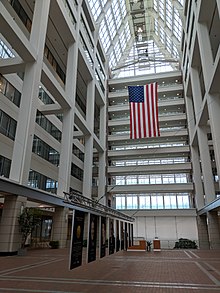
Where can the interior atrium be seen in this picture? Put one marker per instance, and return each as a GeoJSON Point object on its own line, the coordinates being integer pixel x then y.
{"type": "Point", "coordinates": [65, 68]}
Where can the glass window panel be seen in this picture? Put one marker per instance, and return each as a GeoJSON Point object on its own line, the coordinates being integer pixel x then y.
{"type": "Point", "coordinates": [167, 203]}
{"type": "Point", "coordinates": [120, 202]}
{"type": "Point", "coordinates": [173, 202]}
{"type": "Point", "coordinates": [131, 180]}
{"type": "Point", "coordinates": [144, 202]}
{"type": "Point", "coordinates": [153, 202]}
{"type": "Point", "coordinates": [160, 202]}
{"type": "Point", "coordinates": [2, 84]}
{"type": "Point", "coordinates": [131, 202]}
{"type": "Point", "coordinates": [182, 202]}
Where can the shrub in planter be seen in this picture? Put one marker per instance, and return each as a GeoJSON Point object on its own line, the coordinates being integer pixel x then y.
{"type": "Point", "coordinates": [54, 244]}
{"type": "Point", "coordinates": [29, 219]}
{"type": "Point", "coordinates": [185, 243]}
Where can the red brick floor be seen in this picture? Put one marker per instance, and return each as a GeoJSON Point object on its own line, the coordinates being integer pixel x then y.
{"type": "Point", "coordinates": [167, 271]}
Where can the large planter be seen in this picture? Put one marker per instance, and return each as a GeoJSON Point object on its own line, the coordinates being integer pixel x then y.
{"type": "Point", "coordinates": [54, 244]}
{"type": "Point", "coordinates": [22, 251]}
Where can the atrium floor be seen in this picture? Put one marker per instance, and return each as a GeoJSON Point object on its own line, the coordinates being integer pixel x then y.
{"type": "Point", "coordinates": [46, 271]}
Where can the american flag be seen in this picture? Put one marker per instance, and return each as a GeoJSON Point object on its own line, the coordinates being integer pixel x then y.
{"type": "Point", "coordinates": [143, 111]}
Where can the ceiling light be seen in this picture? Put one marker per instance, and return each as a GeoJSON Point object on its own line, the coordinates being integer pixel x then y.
{"type": "Point", "coordinates": [140, 37]}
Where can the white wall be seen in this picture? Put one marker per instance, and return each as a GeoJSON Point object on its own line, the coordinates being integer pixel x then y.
{"type": "Point", "coordinates": [167, 228]}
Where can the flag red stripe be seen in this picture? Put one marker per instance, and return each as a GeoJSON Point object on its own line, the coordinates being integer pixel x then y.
{"type": "Point", "coordinates": [157, 119]}
{"type": "Point", "coordinates": [148, 110]}
{"type": "Point", "coordinates": [153, 109]}
{"type": "Point", "coordinates": [144, 120]}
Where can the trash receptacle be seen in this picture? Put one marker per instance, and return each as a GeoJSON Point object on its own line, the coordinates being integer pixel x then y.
{"type": "Point", "coordinates": [156, 243]}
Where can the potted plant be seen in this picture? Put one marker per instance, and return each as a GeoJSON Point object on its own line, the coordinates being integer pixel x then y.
{"type": "Point", "coordinates": [54, 244]}
{"type": "Point", "coordinates": [149, 243]}
{"type": "Point", "coordinates": [28, 220]}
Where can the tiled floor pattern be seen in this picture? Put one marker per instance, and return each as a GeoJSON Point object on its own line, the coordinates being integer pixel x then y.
{"type": "Point", "coordinates": [46, 271]}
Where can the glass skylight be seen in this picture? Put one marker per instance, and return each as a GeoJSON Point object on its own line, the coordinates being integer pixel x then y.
{"type": "Point", "coordinates": [161, 21]}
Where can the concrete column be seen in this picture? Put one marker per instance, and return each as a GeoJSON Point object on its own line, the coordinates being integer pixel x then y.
{"type": "Point", "coordinates": [208, 182]}
{"type": "Point", "coordinates": [102, 178]}
{"type": "Point", "coordinates": [199, 192]}
{"type": "Point", "coordinates": [213, 230]}
{"type": "Point", "coordinates": [196, 90]}
{"type": "Point", "coordinates": [213, 103]}
{"type": "Point", "coordinates": [205, 51]}
{"type": "Point", "coordinates": [90, 105]}
{"type": "Point", "coordinates": [102, 156]}
{"type": "Point", "coordinates": [88, 163]}
{"type": "Point", "coordinates": [88, 159]}
{"type": "Point", "coordinates": [68, 123]}
{"type": "Point", "coordinates": [10, 238]}
{"type": "Point", "coordinates": [190, 115]}
{"type": "Point", "coordinates": [22, 150]}
{"type": "Point", "coordinates": [60, 226]}
{"type": "Point", "coordinates": [218, 6]}
{"type": "Point", "coordinates": [203, 232]}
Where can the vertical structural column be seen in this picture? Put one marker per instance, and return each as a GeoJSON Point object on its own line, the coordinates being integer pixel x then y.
{"type": "Point", "coordinates": [10, 238]}
{"type": "Point", "coordinates": [22, 151]}
{"type": "Point", "coordinates": [68, 123]}
{"type": "Point", "coordinates": [196, 91]}
{"type": "Point", "coordinates": [208, 182]}
{"type": "Point", "coordinates": [202, 139]}
{"type": "Point", "coordinates": [199, 198]}
{"type": "Point", "coordinates": [60, 226]}
{"type": "Point", "coordinates": [88, 160]}
{"type": "Point", "coordinates": [214, 110]}
{"type": "Point", "coordinates": [213, 230]}
{"type": "Point", "coordinates": [102, 156]}
{"type": "Point", "coordinates": [190, 115]}
{"type": "Point", "coordinates": [203, 232]}
{"type": "Point", "coordinates": [205, 52]}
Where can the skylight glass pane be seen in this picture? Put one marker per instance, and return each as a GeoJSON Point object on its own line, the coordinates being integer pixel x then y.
{"type": "Point", "coordinates": [123, 8]}
{"type": "Point", "coordinates": [169, 44]}
{"type": "Point", "coordinates": [156, 26]}
{"type": "Point", "coordinates": [181, 2]}
{"type": "Point", "coordinates": [104, 36]}
{"type": "Point", "coordinates": [122, 41]}
{"type": "Point", "coordinates": [169, 14]}
{"type": "Point", "coordinates": [112, 59]}
{"type": "Point", "coordinates": [156, 5]}
{"type": "Point", "coordinates": [127, 31]}
{"type": "Point", "coordinates": [111, 24]}
{"type": "Point", "coordinates": [162, 35]}
{"type": "Point", "coordinates": [177, 25]}
{"type": "Point", "coordinates": [161, 9]}
{"type": "Point", "coordinates": [95, 6]}
{"type": "Point", "coordinates": [103, 2]}
{"type": "Point", "coordinates": [116, 11]}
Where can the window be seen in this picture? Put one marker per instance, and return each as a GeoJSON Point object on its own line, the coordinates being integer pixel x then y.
{"type": "Point", "coordinates": [120, 202]}
{"type": "Point", "coordinates": [5, 165]}
{"type": "Point", "coordinates": [7, 125]}
{"type": "Point", "coordinates": [132, 202]}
